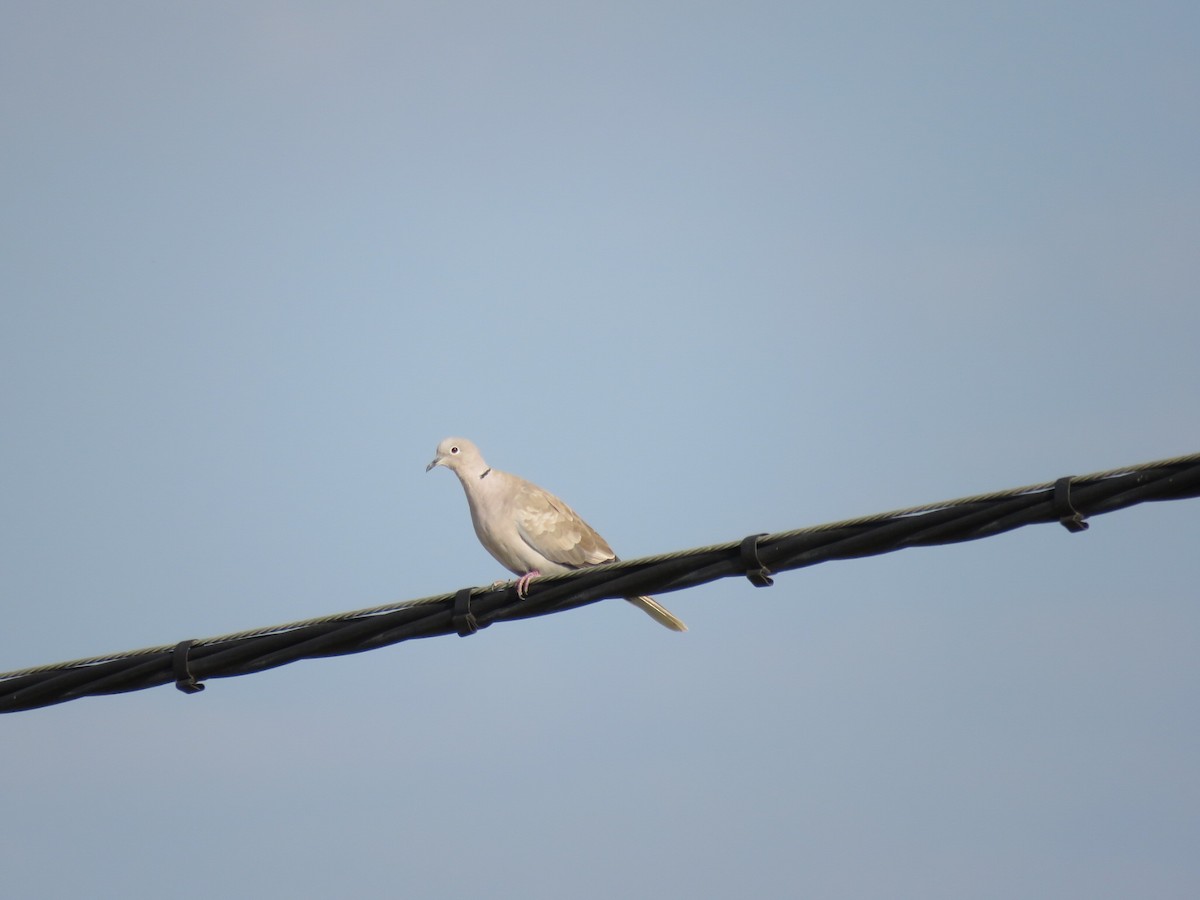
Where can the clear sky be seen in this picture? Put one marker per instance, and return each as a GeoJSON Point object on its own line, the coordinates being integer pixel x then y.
{"type": "Point", "coordinates": [701, 269]}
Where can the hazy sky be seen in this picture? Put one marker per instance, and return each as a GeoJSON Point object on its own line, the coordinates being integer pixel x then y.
{"type": "Point", "coordinates": [701, 269]}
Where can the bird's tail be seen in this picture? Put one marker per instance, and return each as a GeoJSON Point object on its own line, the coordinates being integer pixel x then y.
{"type": "Point", "coordinates": [657, 612]}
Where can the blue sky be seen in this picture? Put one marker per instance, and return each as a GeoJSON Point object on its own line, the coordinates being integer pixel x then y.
{"type": "Point", "coordinates": [701, 269]}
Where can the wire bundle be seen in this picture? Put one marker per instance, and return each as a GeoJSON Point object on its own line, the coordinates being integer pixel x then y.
{"type": "Point", "coordinates": [1069, 501]}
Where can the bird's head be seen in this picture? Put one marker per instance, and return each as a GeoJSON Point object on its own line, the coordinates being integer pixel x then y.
{"type": "Point", "coordinates": [458, 455]}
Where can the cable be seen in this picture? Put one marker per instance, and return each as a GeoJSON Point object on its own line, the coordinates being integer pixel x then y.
{"type": "Point", "coordinates": [188, 663]}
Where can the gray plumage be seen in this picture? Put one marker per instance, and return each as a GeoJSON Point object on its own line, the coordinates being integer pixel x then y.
{"type": "Point", "coordinates": [528, 530]}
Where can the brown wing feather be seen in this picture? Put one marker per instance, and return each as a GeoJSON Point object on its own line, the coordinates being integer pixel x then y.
{"type": "Point", "coordinates": [557, 532]}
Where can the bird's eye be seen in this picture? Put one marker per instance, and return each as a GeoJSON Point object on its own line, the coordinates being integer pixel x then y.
{"type": "Point", "coordinates": [453, 449]}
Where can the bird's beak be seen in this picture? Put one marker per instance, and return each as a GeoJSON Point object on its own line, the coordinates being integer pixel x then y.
{"type": "Point", "coordinates": [436, 462]}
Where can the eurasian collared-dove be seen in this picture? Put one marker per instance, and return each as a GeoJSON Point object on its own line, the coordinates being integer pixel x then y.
{"type": "Point", "coordinates": [529, 531]}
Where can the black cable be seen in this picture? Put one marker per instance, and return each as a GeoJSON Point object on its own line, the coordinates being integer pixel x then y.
{"type": "Point", "coordinates": [188, 663]}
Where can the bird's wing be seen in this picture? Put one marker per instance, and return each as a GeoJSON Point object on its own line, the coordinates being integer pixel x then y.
{"type": "Point", "coordinates": [555, 530]}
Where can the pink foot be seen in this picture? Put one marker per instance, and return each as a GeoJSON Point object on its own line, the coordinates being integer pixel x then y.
{"type": "Point", "coordinates": [523, 582]}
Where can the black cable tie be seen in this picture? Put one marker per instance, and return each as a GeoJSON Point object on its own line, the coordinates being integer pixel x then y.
{"type": "Point", "coordinates": [759, 575]}
{"type": "Point", "coordinates": [184, 679]}
{"type": "Point", "coordinates": [1068, 516]}
{"type": "Point", "coordinates": [464, 620]}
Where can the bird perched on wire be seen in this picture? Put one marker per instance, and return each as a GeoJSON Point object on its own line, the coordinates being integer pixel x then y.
{"type": "Point", "coordinates": [528, 530]}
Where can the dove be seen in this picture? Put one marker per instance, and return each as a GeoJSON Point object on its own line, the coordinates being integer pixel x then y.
{"type": "Point", "coordinates": [528, 530]}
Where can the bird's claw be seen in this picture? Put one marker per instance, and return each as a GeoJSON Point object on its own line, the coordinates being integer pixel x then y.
{"type": "Point", "coordinates": [523, 583]}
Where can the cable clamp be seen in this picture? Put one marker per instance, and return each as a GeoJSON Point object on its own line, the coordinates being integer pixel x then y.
{"type": "Point", "coordinates": [759, 575]}
{"type": "Point", "coordinates": [1068, 516]}
{"type": "Point", "coordinates": [184, 679]}
{"type": "Point", "coordinates": [464, 620]}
